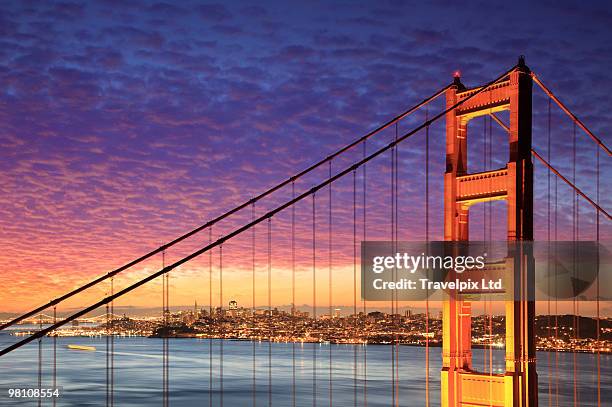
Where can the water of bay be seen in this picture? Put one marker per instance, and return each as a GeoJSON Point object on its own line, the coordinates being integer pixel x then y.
{"type": "Point", "coordinates": [138, 373]}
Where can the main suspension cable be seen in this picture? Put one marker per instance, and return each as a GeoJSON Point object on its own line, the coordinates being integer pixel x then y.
{"type": "Point", "coordinates": [241, 229]}
{"type": "Point", "coordinates": [575, 119]}
{"type": "Point", "coordinates": [568, 182]}
{"type": "Point", "coordinates": [226, 214]}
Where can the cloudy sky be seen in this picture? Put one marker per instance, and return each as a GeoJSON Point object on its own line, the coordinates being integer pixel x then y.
{"type": "Point", "coordinates": [124, 125]}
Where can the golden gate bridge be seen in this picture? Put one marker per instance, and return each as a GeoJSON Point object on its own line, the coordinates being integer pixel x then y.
{"type": "Point", "coordinates": [461, 383]}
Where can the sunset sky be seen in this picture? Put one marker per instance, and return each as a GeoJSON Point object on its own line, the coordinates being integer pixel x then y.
{"type": "Point", "coordinates": [123, 126]}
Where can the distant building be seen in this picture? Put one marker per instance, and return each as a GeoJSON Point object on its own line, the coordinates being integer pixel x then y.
{"type": "Point", "coordinates": [233, 305]}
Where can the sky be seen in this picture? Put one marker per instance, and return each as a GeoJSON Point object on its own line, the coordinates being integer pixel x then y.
{"type": "Point", "coordinates": [123, 126]}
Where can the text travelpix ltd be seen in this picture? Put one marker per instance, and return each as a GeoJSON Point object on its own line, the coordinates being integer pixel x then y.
{"type": "Point", "coordinates": [426, 284]}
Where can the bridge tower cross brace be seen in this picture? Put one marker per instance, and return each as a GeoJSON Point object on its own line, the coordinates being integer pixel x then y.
{"type": "Point", "coordinates": [461, 385]}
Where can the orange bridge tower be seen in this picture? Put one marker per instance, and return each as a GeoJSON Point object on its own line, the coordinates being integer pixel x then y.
{"type": "Point", "coordinates": [461, 385]}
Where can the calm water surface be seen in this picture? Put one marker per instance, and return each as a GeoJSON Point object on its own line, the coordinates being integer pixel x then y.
{"type": "Point", "coordinates": [138, 374]}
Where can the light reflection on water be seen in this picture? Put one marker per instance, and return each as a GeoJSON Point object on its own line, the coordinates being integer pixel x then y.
{"type": "Point", "coordinates": [138, 374]}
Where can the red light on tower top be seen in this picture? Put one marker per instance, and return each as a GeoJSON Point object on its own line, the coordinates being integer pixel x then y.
{"type": "Point", "coordinates": [457, 79]}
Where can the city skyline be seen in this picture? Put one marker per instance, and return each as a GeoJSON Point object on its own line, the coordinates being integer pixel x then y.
{"type": "Point", "coordinates": [405, 327]}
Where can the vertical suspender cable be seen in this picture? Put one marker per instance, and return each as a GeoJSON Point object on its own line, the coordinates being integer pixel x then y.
{"type": "Point", "coordinates": [488, 351]}
{"type": "Point", "coordinates": [485, 206]}
{"type": "Point", "coordinates": [355, 288]}
{"type": "Point", "coordinates": [54, 354]}
{"type": "Point", "coordinates": [548, 174]}
{"type": "Point", "coordinates": [39, 362]}
{"type": "Point", "coordinates": [293, 316]}
{"type": "Point", "coordinates": [365, 304]}
{"type": "Point", "coordinates": [490, 239]}
{"type": "Point", "coordinates": [112, 346]}
{"type": "Point", "coordinates": [574, 238]}
{"type": "Point", "coordinates": [489, 204]}
{"type": "Point", "coordinates": [211, 322]}
{"type": "Point", "coordinates": [485, 151]}
{"type": "Point", "coordinates": [270, 312]}
{"type": "Point", "coordinates": [427, 243]}
{"type": "Point", "coordinates": [166, 334]}
{"type": "Point", "coordinates": [392, 347]}
{"type": "Point", "coordinates": [489, 152]}
{"type": "Point", "coordinates": [487, 211]}
{"type": "Point", "coordinates": [577, 234]}
{"type": "Point", "coordinates": [577, 261]}
{"type": "Point", "coordinates": [163, 333]}
{"type": "Point", "coordinates": [396, 187]}
{"type": "Point", "coordinates": [597, 287]}
{"type": "Point", "coordinates": [314, 302]}
{"type": "Point", "coordinates": [107, 354]}
{"type": "Point", "coordinates": [484, 220]}
{"type": "Point", "coordinates": [330, 259]}
{"type": "Point", "coordinates": [555, 213]}
{"type": "Point", "coordinates": [222, 311]}
{"type": "Point", "coordinates": [554, 270]}
{"type": "Point", "coordinates": [396, 216]}
{"type": "Point", "coordinates": [167, 345]}
{"type": "Point", "coordinates": [484, 168]}
{"type": "Point", "coordinates": [253, 320]}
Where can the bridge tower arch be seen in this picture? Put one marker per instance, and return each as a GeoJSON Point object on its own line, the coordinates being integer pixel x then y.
{"type": "Point", "coordinates": [461, 385]}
